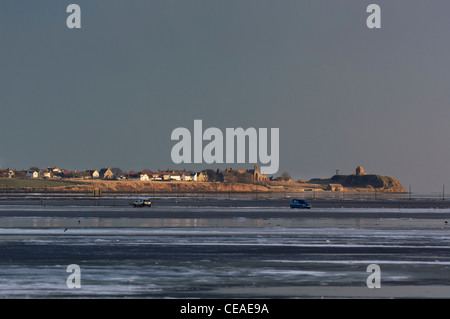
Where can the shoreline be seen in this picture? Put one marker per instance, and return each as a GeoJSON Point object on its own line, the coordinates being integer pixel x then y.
{"type": "Point", "coordinates": [88, 186]}
{"type": "Point", "coordinates": [80, 186]}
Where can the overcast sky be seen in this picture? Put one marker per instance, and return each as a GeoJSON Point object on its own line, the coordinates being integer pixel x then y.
{"type": "Point", "coordinates": [342, 95]}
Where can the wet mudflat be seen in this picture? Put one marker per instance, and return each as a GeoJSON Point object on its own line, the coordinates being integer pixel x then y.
{"type": "Point", "coordinates": [252, 249]}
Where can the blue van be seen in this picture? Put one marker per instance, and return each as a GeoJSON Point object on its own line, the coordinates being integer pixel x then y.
{"type": "Point", "coordinates": [299, 203]}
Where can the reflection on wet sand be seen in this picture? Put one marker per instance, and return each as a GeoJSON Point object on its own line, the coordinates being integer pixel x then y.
{"type": "Point", "coordinates": [235, 222]}
{"type": "Point", "coordinates": [47, 222]}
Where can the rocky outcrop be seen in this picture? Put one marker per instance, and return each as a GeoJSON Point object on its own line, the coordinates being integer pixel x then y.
{"type": "Point", "coordinates": [379, 182]}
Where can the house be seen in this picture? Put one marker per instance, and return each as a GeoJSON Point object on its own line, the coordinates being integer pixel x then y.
{"type": "Point", "coordinates": [32, 174]}
{"type": "Point", "coordinates": [47, 173]}
{"type": "Point", "coordinates": [202, 177]}
{"type": "Point", "coordinates": [66, 174]}
{"type": "Point", "coordinates": [6, 173]}
{"type": "Point", "coordinates": [157, 177]}
{"type": "Point", "coordinates": [199, 177]}
{"type": "Point", "coordinates": [106, 173]}
{"type": "Point", "coordinates": [11, 173]}
{"type": "Point", "coordinates": [55, 170]}
{"type": "Point", "coordinates": [162, 176]}
{"type": "Point", "coordinates": [175, 176]}
{"type": "Point", "coordinates": [93, 173]}
{"type": "Point", "coordinates": [335, 187]}
{"type": "Point", "coordinates": [146, 175]}
{"type": "Point", "coordinates": [165, 176]}
{"type": "Point", "coordinates": [186, 177]}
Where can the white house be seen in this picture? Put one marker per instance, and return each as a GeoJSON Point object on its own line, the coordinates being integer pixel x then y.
{"type": "Point", "coordinates": [32, 174]}
{"type": "Point", "coordinates": [144, 177]}
{"type": "Point", "coordinates": [55, 170]}
{"type": "Point", "coordinates": [11, 173]}
{"type": "Point", "coordinates": [186, 177]}
{"type": "Point", "coordinates": [175, 177]}
{"type": "Point", "coordinates": [46, 173]}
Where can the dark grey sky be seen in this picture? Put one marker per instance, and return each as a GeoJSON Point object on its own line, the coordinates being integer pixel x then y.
{"type": "Point", "coordinates": [342, 95]}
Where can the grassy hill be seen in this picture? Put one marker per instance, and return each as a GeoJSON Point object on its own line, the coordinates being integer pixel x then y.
{"type": "Point", "coordinates": [350, 182]}
{"type": "Point", "coordinates": [13, 183]}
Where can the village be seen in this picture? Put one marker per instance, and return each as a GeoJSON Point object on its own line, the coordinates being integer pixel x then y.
{"type": "Point", "coordinates": [108, 173]}
{"type": "Point", "coordinates": [208, 180]}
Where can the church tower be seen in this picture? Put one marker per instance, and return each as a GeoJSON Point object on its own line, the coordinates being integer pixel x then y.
{"type": "Point", "coordinates": [359, 171]}
{"type": "Point", "coordinates": [255, 173]}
